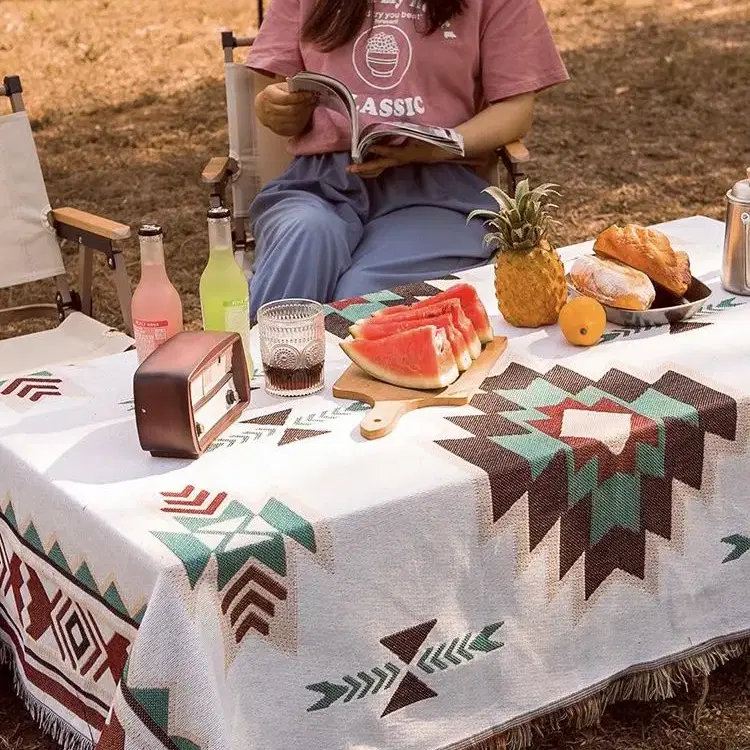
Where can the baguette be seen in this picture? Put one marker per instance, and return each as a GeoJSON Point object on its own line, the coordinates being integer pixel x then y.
{"type": "Point", "coordinates": [649, 251]}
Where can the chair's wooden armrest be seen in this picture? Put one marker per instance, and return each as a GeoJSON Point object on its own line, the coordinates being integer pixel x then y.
{"type": "Point", "coordinates": [516, 152]}
{"type": "Point", "coordinates": [216, 171]}
{"type": "Point", "coordinates": [86, 222]}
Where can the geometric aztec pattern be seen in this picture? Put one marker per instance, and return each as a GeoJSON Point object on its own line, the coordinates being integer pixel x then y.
{"type": "Point", "coordinates": [151, 706]}
{"type": "Point", "coordinates": [407, 645]}
{"type": "Point", "coordinates": [250, 551]}
{"type": "Point", "coordinates": [587, 454]}
{"type": "Point", "coordinates": [701, 319]}
{"type": "Point", "coordinates": [282, 429]}
{"type": "Point", "coordinates": [34, 387]}
{"type": "Point", "coordinates": [26, 393]}
{"type": "Point", "coordinates": [339, 316]}
{"type": "Point", "coordinates": [740, 546]}
{"type": "Point", "coordinates": [62, 626]}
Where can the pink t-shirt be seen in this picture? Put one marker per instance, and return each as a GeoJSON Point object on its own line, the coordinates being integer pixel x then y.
{"type": "Point", "coordinates": [494, 50]}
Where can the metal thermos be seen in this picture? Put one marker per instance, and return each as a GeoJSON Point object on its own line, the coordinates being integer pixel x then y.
{"type": "Point", "coordinates": [735, 268]}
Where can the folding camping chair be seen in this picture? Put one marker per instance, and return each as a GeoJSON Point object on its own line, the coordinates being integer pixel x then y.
{"type": "Point", "coordinates": [30, 231]}
{"type": "Point", "coordinates": [256, 155]}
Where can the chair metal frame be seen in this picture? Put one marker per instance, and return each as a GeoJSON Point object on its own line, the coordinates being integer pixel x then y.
{"type": "Point", "coordinates": [91, 233]}
{"type": "Point", "coordinates": [220, 172]}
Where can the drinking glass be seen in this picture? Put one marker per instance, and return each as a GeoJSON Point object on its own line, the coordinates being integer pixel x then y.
{"type": "Point", "coordinates": [292, 346]}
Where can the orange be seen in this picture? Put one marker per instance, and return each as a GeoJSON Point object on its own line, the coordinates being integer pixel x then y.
{"type": "Point", "coordinates": [582, 321]}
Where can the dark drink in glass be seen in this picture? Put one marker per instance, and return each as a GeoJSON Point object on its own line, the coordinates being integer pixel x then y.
{"type": "Point", "coordinates": [292, 346]}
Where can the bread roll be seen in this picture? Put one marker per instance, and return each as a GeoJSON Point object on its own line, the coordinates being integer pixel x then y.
{"type": "Point", "coordinates": [649, 251]}
{"type": "Point", "coordinates": [612, 283]}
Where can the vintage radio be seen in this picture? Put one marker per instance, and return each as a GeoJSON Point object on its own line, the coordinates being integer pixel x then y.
{"type": "Point", "coordinates": [188, 391]}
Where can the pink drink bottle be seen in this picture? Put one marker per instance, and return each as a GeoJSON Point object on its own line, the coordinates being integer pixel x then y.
{"type": "Point", "coordinates": [156, 306]}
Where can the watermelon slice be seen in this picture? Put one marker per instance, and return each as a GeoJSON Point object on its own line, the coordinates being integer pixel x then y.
{"type": "Point", "coordinates": [470, 304]}
{"type": "Point", "coordinates": [451, 307]}
{"type": "Point", "coordinates": [377, 328]}
{"type": "Point", "coordinates": [418, 358]}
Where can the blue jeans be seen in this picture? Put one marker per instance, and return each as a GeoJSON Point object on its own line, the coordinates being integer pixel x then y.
{"type": "Point", "coordinates": [324, 234]}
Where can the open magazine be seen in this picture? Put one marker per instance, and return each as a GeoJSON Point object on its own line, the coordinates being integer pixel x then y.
{"type": "Point", "coordinates": [337, 95]}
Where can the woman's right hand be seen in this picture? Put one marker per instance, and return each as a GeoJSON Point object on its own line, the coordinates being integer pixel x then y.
{"type": "Point", "coordinates": [283, 112]}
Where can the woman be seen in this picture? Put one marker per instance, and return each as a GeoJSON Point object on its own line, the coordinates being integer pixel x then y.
{"type": "Point", "coordinates": [328, 229]}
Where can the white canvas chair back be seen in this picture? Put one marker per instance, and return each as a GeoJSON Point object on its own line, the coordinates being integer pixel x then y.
{"type": "Point", "coordinates": [242, 126]}
{"type": "Point", "coordinates": [29, 249]}
{"type": "Point", "coordinates": [257, 155]}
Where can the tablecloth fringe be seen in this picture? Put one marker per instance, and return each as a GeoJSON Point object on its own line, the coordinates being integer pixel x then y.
{"type": "Point", "coordinates": [650, 685]}
{"type": "Point", "coordinates": [51, 724]}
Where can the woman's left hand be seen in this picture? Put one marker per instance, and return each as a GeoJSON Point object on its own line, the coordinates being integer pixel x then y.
{"type": "Point", "coordinates": [412, 152]}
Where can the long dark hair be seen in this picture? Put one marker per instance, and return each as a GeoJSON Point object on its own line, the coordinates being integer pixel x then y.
{"type": "Point", "coordinates": [333, 23]}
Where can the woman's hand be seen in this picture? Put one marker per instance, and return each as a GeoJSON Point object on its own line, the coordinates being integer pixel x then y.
{"type": "Point", "coordinates": [283, 112]}
{"type": "Point", "coordinates": [412, 152]}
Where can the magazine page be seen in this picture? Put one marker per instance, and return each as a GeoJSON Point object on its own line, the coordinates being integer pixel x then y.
{"type": "Point", "coordinates": [445, 138]}
{"type": "Point", "coordinates": [332, 94]}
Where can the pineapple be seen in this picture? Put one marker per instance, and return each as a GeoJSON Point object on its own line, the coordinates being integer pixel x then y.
{"type": "Point", "coordinates": [529, 275]}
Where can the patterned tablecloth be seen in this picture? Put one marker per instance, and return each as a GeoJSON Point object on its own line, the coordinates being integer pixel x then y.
{"type": "Point", "coordinates": [580, 532]}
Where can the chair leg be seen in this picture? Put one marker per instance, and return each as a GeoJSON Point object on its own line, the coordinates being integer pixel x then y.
{"type": "Point", "coordinates": [66, 300]}
{"type": "Point", "coordinates": [86, 276]}
{"type": "Point", "coordinates": [515, 175]}
{"type": "Point", "coordinates": [63, 289]}
{"type": "Point", "coordinates": [124, 293]}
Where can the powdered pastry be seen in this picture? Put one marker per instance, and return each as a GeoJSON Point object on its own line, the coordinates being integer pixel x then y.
{"type": "Point", "coordinates": [612, 283]}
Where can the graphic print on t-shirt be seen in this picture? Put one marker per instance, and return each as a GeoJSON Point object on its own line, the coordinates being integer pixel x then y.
{"type": "Point", "coordinates": [382, 57]}
{"type": "Point", "coordinates": [492, 50]}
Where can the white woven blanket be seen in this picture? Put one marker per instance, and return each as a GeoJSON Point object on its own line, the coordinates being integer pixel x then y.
{"type": "Point", "coordinates": [587, 517]}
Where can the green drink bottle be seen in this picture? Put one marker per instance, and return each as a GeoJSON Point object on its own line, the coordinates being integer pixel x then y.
{"type": "Point", "coordinates": [225, 300]}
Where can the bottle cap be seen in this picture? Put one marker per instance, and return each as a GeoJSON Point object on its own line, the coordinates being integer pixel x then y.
{"type": "Point", "coordinates": [220, 212]}
{"type": "Point", "coordinates": [150, 230]}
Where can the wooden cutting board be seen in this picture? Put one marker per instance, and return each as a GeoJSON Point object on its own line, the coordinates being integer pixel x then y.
{"type": "Point", "coordinates": [389, 402]}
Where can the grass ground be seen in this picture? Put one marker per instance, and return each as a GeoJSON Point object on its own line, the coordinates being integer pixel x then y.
{"type": "Point", "coordinates": [127, 104]}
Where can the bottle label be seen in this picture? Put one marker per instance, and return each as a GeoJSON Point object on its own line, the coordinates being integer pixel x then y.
{"type": "Point", "coordinates": [237, 319]}
{"type": "Point", "coordinates": [148, 335]}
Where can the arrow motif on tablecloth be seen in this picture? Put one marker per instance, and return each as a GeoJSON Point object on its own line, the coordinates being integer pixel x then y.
{"type": "Point", "coordinates": [741, 545]}
{"type": "Point", "coordinates": [355, 687]}
{"type": "Point", "coordinates": [458, 651]}
{"type": "Point", "coordinates": [483, 643]}
{"type": "Point", "coordinates": [330, 414]}
{"type": "Point", "coordinates": [308, 420]}
{"type": "Point", "coordinates": [382, 676]}
{"type": "Point", "coordinates": [227, 441]}
{"type": "Point", "coordinates": [302, 427]}
{"type": "Point", "coordinates": [433, 660]}
{"type": "Point", "coordinates": [185, 502]}
{"type": "Point", "coordinates": [700, 319]}
{"type": "Point", "coordinates": [33, 388]}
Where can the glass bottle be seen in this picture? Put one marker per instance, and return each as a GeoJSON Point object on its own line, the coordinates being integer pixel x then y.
{"type": "Point", "coordinates": [224, 294]}
{"type": "Point", "coordinates": [156, 305]}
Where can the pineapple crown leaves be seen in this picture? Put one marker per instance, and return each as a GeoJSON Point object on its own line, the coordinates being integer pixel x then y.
{"type": "Point", "coordinates": [523, 220]}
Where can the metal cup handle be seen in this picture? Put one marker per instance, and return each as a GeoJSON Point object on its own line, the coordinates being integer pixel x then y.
{"type": "Point", "coordinates": [745, 219]}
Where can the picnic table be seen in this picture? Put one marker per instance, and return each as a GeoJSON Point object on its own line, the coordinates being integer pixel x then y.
{"type": "Point", "coordinates": [580, 532]}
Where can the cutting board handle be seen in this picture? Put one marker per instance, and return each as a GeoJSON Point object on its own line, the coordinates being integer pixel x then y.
{"type": "Point", "coordinates": [382, 418]}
